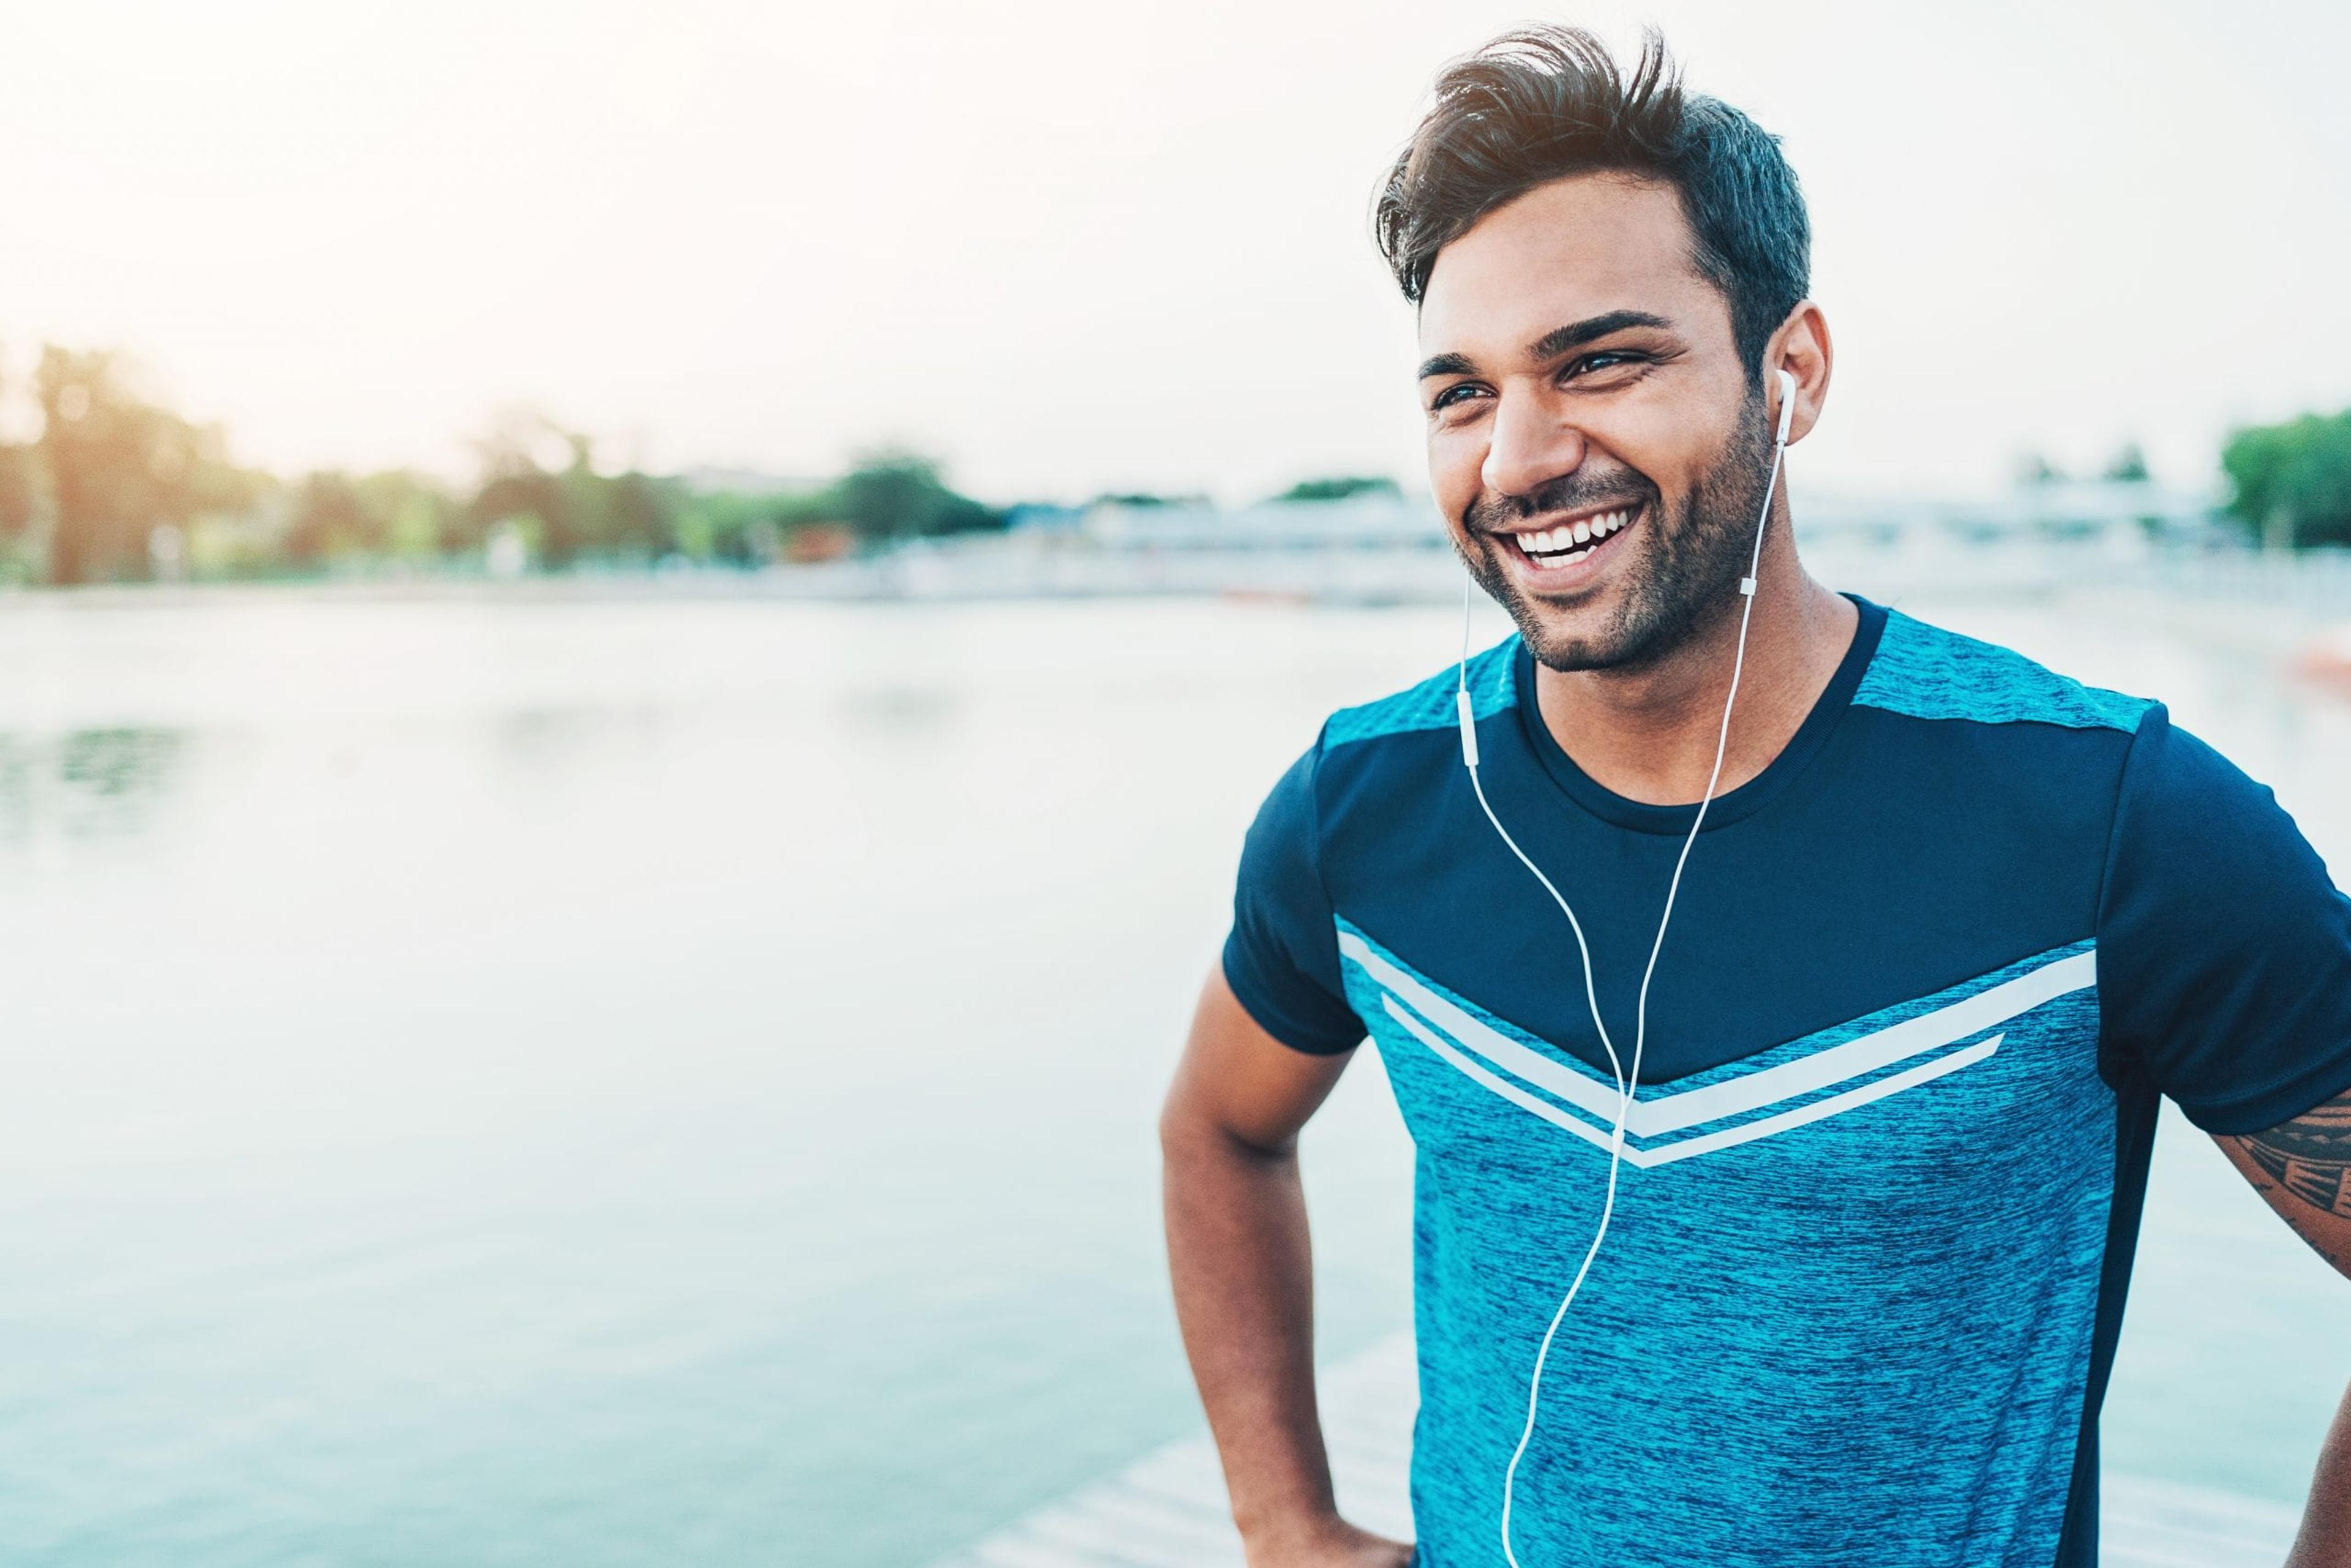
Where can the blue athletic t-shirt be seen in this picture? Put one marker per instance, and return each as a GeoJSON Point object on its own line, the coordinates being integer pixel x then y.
{"type": "Point", "coordinates": [1926, 978]}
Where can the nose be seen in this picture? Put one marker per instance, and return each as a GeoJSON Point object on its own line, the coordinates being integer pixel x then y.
{"type": "Point", "coordinates": [1530, 446]}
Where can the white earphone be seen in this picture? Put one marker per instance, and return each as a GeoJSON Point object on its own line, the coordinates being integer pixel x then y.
{"type": "Point", "coordinates": [1626, 1082]}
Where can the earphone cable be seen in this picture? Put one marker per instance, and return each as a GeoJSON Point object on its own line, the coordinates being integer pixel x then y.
{"type": "Point", "coordinates": [1626, 1084]}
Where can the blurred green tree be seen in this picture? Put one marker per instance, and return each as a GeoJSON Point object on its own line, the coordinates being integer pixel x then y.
{"type": "Point", "coordinates": [19, 490]}
{"type": "Point", "coordinates": [892, 495]}
{"type": "Point", "coordinates": [543, 478]}
{"type": "Point", "coordinates": [2129, 465]}
{"type": "Point", "coordinates": [2292, 481]}
{"type": "Point", "coordinates": [20, 481]}
{"type": "Point", "coordinates": [745, 528]}
{"type": "Point", "coordinates": [327, 520]}
{"type": "Point", "coordinates": [2035, 468]}
{"type": "Point", "coordinates": [120, 467]}
{"type": "Point", "coordinates": [335, 515]}
{"type": "Point", "coordinates": [1339, 488]}
{"type": "Point", "coordinates": [1149, 498]}
{"type": "Point", "coordinates": [638, 516]}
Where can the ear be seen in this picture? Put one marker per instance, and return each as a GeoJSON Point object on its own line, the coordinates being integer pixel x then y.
{"type": "Point", "coordinates": [1802, 348]}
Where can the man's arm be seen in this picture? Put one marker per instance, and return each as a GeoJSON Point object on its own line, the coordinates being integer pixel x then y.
{"type": "Point", "coordinates": [1238, 1254]}
{"type": "Point", "coordinates": [2302, 1168]}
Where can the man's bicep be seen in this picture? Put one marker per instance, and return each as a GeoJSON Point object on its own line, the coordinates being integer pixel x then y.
{"type": "Point", "coordinates": [2302, 1169]}
{"type": "Point", "coordinates": [1241, 1081]}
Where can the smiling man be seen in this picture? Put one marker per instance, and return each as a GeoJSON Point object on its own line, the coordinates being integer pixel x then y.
{"type": "Point", "coordinates": [1901, 948]}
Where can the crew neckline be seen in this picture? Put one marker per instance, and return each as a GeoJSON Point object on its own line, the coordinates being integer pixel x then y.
{"type": "Point", "coordinates": [1728, 808]}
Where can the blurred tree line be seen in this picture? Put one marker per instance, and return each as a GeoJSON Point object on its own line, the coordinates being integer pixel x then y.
{"type": "Point", "coordinates": [107, 484]}
{"type": "Point", "coordinates": [1341, 488]}
{"type": "Point", "coordinates": [111, 486]}
{"type": "Point", "coordinates": [2292, 481]}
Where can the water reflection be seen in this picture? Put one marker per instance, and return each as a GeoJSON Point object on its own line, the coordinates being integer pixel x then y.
{"type": "Point", "coordinates": [87, 784]}
{"type": "Point", "coordinates": [704, 1077]}
{"type": "Point", "coordinates": [897, 710]}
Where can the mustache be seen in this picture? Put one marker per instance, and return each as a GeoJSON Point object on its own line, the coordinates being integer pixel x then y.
{"type": "Point", "coordinates": [1568, 493]}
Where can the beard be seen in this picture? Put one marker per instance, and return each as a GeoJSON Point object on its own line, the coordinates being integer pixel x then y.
{"type": "Point", "coordinates": [1691, 557]}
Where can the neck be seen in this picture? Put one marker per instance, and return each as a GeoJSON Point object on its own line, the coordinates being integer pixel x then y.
{"type": "Point", "coordinates": [1649, 734]}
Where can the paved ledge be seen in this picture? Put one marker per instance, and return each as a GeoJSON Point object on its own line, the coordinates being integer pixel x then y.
{"type": "Point", "coordinates": [1168, 1510]}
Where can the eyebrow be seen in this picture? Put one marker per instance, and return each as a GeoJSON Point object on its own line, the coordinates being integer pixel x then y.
{"type": "Point", "coordinates": [1553, 344]}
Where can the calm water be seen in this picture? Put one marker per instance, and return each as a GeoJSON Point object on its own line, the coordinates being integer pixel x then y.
{"type": "Point", "coordinates": [515, 1083]}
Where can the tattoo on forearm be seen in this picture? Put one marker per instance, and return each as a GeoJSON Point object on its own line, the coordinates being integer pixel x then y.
{"type": "Point", "coordinates": [2309, 1156]}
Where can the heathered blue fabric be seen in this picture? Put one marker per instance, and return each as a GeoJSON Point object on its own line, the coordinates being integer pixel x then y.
{"type": "Point", "coordinates": [1862, 1341]}
{"type": "Point", "coordinates": [1859, 1304]}
{"type": "Point", "coordinates": [1430, 705]}
{"type": "Point", "coordinates": [1928, 673]}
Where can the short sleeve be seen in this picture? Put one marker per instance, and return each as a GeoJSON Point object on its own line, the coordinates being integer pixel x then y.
{"type": "Point", "coordinates": [1282, 957]}
{"type": "Point", "coordinates": [2224, 950]}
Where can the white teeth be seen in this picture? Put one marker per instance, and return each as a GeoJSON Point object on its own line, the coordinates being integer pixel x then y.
{"type": "Point", "coordinates": [1565, 545]}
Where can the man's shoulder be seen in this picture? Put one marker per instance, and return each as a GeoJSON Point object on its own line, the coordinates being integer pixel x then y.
{"type": "Point", "coordinates": [1924, 670]}
{"type": "Point", "coordinates": [1429, 704]}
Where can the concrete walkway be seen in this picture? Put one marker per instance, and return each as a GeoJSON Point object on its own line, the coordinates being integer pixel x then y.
{"type": "Point", "coordinates": [1168, 1510]}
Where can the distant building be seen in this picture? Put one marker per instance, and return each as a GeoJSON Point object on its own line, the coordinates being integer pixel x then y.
{"type": "Point", "coordinates": [2135, 512]}
{"type": "Point", "coordinates": [1040, 518]}
{"type": "Point", "coordinates": [711, 481]}
{"type": "Point", "coordinates": [1370, 520]}
{"type": "Point", "coordinates": [2128, 514]}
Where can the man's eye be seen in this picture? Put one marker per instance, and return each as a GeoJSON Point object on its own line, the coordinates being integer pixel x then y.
{"type": "Point", "coordinates": [1452, 395]}
{"type": "Point", "coordinates": [1607, 360]}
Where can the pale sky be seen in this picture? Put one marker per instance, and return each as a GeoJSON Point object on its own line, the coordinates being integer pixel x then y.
{"type": "Point", "coordinates": [1070, 246]}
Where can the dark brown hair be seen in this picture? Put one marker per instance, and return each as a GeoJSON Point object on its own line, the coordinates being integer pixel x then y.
{"type": "Point", "coordinates": [1543, 103]}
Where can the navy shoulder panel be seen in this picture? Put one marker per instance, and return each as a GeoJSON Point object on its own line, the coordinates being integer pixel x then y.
{"type": "Point", "coordinates": [1925, 671]}
{"type": "Point", "coordinates": [1429, 705]}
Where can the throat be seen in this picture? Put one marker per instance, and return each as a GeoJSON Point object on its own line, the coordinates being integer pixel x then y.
{"type": "Point", "coordinates": [1651, 736]}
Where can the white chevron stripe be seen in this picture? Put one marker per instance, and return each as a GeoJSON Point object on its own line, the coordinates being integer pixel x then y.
{"type": "Point", "coordinates": [1598, 1137]}
{"type": "Point", "coordinates": [1750, 1091]}
{"type": "Point", "coordinates": [1598, 1099]}
{"type": "Point", "coordinates": [1820, 1110]}
{"type": "Point", "coordinates": [1706, 1143]}
{"type": "Point", "coordinates": [1911, 1037]}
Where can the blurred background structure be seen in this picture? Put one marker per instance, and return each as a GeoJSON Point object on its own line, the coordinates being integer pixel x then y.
{"type": "Point", "coordinates": [634, 644]}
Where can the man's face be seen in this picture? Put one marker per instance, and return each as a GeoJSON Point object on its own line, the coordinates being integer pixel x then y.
{"type": "Point", "coordinates": [1597, 448]}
